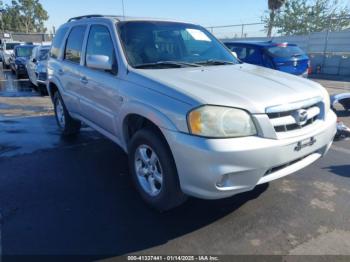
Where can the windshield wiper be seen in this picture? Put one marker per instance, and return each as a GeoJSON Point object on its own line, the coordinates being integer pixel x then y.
{"type": "Point", "coordinates": [215, 62]}
{"type": "Point", "coordinates": [175, 64]}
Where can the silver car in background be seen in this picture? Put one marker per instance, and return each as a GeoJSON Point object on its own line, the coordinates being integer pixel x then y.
{"type": "Point", "coordinates": [37, 67]}
{"type": "Point", "coordinates": [193, 119]}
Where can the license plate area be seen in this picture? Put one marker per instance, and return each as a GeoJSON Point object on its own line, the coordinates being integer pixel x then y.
{"type": "Point", "coordinates": [305, 144]}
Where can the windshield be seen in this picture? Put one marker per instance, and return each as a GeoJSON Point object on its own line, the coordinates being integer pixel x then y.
{"type": "Point", "coordinates": [11, 46]}
{"type": "Point", "coordinates": [25, 51]}
{"type": "Point", "coordinates": [285, 51]}
{"type": "Point", "coordinates": [43, 54]}
{"type": "Point", "coordinates": [170, 43]}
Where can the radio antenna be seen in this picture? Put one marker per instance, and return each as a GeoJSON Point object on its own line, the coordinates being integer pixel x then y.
{"type": "Point", "coordinates": [123, 6]}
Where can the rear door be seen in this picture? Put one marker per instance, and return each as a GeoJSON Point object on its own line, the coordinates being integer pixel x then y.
{"type": "Point", "coordinates": [289, 58]}
{"type": "Point", "coordinates": [99, 90]}
{"type": "Point", "coordinates": [70, 70]}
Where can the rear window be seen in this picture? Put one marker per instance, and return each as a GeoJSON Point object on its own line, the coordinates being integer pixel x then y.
{"type": "Point", "coordinates": [25, 51]}
{"type": "Point", "coordinates": [285, 51]}
{"type": "Point", "coordinates": [57, 42]}
{"type": "Point", "coordinates": [11, 46]}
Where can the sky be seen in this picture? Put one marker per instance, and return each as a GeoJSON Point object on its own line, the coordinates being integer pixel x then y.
{"type": "Point", "coordinates": [203, 12]}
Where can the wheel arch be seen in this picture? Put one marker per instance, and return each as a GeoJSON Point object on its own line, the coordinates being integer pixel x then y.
{"type": "Point", "coordinates": [137, 116]}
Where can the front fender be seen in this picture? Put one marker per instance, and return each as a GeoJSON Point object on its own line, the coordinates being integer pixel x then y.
{"type": "Point", "coordinates": [146, 111]}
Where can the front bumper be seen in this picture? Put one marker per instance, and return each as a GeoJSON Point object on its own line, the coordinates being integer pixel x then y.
{"type": "Point", "coordinates": [220, 168]}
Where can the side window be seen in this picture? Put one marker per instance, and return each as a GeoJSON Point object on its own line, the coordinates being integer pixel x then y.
{"type": "Point", "coordinates": [74, 44]}
{"type": "Point", "coordinates": [57, 42]}
{"type": "Point", "coordinates": [253, 56]}
{"type": "Point", "coordinates": [100, 43]}
{"type": "Point", "coordinates": [240, 51]}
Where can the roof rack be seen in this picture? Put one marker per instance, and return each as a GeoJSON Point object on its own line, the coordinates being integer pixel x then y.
{"type": "Point", "coordinates": [89, 16]}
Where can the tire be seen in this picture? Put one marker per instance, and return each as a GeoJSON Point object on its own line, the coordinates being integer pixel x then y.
{"type": "Point", "coordinates": [166, 193]}
{"type": "Point", "coordinates": [42, 90]}
{"type": "Point", "coordinates": [67, 125]}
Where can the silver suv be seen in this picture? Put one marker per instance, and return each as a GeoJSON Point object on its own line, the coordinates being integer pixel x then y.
{"type": "Point", "coordinates": [193, 119]}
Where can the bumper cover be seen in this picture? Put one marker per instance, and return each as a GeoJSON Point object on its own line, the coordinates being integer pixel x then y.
{"type": "Point", "coordinates": [220, 168]}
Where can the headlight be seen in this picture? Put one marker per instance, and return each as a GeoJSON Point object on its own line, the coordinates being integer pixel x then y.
{"type": "Point", "coordinates": [220, 122]}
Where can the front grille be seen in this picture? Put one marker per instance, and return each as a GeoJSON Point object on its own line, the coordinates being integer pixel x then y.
{"type": "Point", "coordinates": [294, 119]}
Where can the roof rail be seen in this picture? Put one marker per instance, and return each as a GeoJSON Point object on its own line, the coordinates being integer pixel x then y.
{"type": "Point", "coordinates": [83, 17]}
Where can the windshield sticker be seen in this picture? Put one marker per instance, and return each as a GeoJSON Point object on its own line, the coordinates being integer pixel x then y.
{"type": "Point", "coordinates": [198, 35]}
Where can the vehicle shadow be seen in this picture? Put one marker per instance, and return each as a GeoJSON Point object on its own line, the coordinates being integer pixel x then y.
{"type": "Point", "coordinates": [152, 229]}
{"type": "Point", "coordinates": [79, 200]}
{"type": "Point", "coordinates": [343, 170]}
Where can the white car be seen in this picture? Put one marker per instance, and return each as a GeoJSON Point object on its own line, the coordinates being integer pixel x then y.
{"type": "Point", "coordinates": [7, 51]}
{"type": "Point", "coordinates": [37, 67]}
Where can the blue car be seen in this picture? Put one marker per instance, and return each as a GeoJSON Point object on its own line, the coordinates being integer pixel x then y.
{"type": "Point", "coordinates": [284, 57]}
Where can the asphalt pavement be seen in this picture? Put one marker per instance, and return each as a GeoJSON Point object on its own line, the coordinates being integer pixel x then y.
{"type": "Point", "coordinates": [75, 197]}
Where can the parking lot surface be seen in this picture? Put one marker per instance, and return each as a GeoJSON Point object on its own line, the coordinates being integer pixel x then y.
{"type": "Point", "coordinates": [75, 197]}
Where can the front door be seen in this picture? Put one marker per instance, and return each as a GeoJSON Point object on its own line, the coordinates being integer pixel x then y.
{"type": "Point", "coordinates": [99, 93]}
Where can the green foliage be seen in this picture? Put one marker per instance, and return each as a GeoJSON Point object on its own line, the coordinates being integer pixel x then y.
{"type": "Point", "coordinates": [299, 17]}
{"type": "Point", "coordinates": [24, 16]}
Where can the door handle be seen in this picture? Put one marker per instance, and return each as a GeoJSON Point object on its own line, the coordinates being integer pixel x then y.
{"type": "Point", "coordinates": [60, 72]}
{"type": "Point", "coordinates": [84, 80]}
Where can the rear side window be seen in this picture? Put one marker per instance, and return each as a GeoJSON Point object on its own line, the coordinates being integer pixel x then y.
{"type": "Point", "coordinates": [74, 45]}
{"type": "Point", "coordinates": [100, 42]}
{"type": "Point", "coordinates": [285, 51]}
{"type": "Point", "coordinates": [57, 42]}
{"type": "Point", "coordinates": [247, 54]}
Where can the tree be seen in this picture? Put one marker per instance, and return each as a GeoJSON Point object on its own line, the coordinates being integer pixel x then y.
{"type": "Point", "coordinates": [299, 17]}
{"type": "Point", "coordinates": [24, 16]}
{"type": "Point", "coordinates": [33, 15]}
{"type": "Point", "coordinates": [274, 6]}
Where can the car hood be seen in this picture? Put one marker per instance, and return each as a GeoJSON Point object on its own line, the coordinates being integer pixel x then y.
{"type": "Point", "coordinates": [243, 86]}
{"type": "Point", "coordinates": [8, 52]}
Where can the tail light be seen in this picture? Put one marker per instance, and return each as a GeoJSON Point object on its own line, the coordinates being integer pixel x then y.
{"type": "Point", "coordinates": [309, 69]}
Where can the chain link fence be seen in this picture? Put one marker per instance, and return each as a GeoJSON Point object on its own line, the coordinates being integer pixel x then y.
{"type": "Point", "coordinates": [328, 48]}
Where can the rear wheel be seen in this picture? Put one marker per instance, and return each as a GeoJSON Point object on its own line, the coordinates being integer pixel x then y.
{"type": "Point", "coordinates": [65, 122]}
{"type": "Point", "coordinates": [154, 171]}
{"type": "Point", "coordinates": [42, 90]}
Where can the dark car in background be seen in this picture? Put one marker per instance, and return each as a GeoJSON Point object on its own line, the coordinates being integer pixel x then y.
{"type": "Point", "coordinates": [284, 57]}
{"type": "Point", "coordinates": [19, 60]}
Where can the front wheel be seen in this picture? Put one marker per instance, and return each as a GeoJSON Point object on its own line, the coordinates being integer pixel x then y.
{"type": "Point", "coordinates": [154, 171]}
{"type": "Point", "coordinates": [65, 122]}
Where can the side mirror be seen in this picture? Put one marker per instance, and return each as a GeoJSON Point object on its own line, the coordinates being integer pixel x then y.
{"type": "Point", "coordinates": [234, 54]}
{"type": "Point", "coordinates": [101, 62]}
